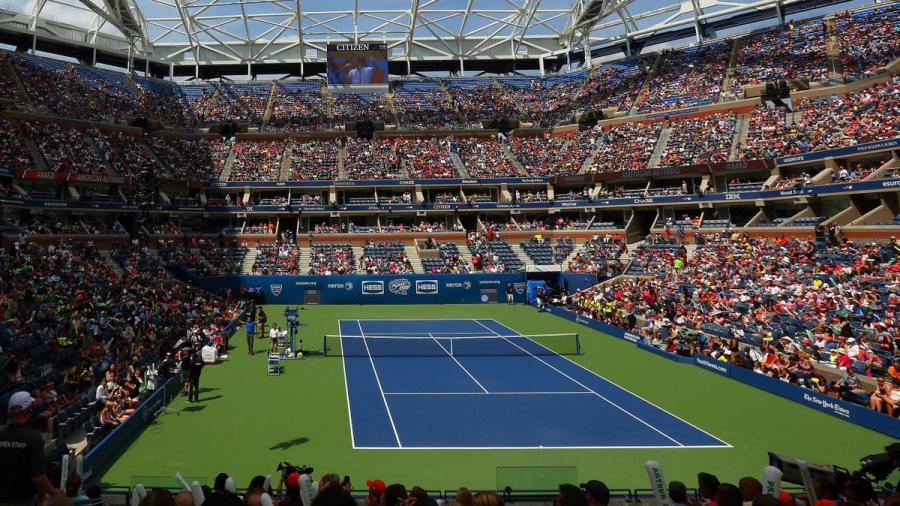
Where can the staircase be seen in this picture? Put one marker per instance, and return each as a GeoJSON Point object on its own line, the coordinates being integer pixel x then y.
{"type": "Point", "coordinates": [390, 99]}
{"type": "Point", "coordinates": [7, 67]}
{"type": "Point", "coordinates": [575, 251]}
{"type": "Point", "coordinates": [152, 156]}
{"type": "Point", "coordinates": [341, 166]}
{"type": "Point", "coordinates": [303, 263]}
{"type": "Point", "coordinates": [588, 162]}
{"type": "Point", "coordinates": [357, 254]}
{"type": "Point", "coordinates": [660, 147]}
{"type": "Point", "coordinates": [270, 106]}
{"type": "Point", "coordinates": [459, 114]}
{"type": "Point", "coordinates": [108, 168]}
{"type": "Point", "coordinates": [414, 259]}
{"type": "Point", "coordinates": [285, 173]}
{"type": "Point", "coordinates": [229, 163]}
{"type": "Point", "coordinates": [741, 130]}
{"type": "Point", "coordinates": [512, 158]}
{"type": "Point", "coordinates": [646, 84]}
{"type": "Point", "coordinates": [791, 118]}
{"type": "Point", "coordinates": [36, 155]}
{"type": "Point", "coordinates": [460, 167]}
{"type": "Point", "coordinates": [526, 260]}
{"type": "Point", "coordinates": [249, 260]}
{"type": "Point", "coordinates": [113, 266]}
{"type": "Point", "coordinates": [732, 65]}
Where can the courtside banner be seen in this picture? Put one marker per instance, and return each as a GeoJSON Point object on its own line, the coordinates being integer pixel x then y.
{"type": "Point", "coordinates": [860, 415]}
{"type": "Point", "coordinates": [375, 289]}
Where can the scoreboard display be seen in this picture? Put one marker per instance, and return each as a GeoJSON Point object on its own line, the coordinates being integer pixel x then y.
{"type": "Point", "coordinates": [357, 64]}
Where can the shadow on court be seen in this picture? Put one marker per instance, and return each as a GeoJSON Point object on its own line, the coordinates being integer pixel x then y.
{"type": "Point", "coordinates": [286, 445]}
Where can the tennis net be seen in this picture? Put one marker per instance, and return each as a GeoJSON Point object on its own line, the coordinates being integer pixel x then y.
{"type": "Point", "coordinates": [454, 346]}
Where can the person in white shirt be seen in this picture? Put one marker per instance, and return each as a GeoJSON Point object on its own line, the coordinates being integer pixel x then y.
{"type": "Point", "coordinates": [273, 338]}
{"type": "Point", "coordinates": [101, 394]}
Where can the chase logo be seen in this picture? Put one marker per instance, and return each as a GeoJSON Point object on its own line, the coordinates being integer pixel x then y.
{"type": "Point", "coordinates": [520, 288]}
{"type": "Point", "coordinates": [373, 287]}
{"type": "Point", "coordinates": [426, 286]}
{"type": "Point", "coordinates": [399, 286]}
{"type": "Point", "coordinates": [276, 289]}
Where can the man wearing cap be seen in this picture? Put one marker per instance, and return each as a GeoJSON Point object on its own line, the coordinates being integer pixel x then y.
{"type": "Point", "coordinates": [23, 468]}
{"type": "Point", "coordinates": [376, 492]}
{"type": "Point", "coordinates": [596, 492]}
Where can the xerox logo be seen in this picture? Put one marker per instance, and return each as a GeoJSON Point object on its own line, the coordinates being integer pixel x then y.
{"type": "Point", "coordinates": [426, 286]}
{"type": "Point", "coordinates": [399, 286]}
{"type": "Point", "coordinates": [276, 289]}
{"type": "Point", "coordinates": [373, 287]}
{"type": "Point", "coordinates": [346, 286]}
{"type": "Point", "coordinates": [465, 285]}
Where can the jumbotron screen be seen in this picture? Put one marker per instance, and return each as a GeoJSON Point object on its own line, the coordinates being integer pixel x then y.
{"type": "Point", "coordinates": [364, 63]}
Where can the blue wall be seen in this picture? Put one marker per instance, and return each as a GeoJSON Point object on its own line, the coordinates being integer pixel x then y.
{"type": "Point", "coordinates": [860, 415]}
{"type": "Point", "coordinates": [365, 289]}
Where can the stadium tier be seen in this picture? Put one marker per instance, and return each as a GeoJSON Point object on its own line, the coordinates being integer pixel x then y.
{"type": "Point", "coordinates": [679, 258]}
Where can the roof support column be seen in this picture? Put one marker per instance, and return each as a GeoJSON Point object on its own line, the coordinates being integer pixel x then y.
{"type": "Point", "coordinates": [698, 30]}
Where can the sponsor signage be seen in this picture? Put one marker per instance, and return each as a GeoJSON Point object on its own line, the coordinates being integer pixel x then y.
{"type": "Point", "coordinates": [399, 286]}
{"type": "Point", "coordinates": [372, 287]}
{"type": "Point", "coordinates": [426, 286]}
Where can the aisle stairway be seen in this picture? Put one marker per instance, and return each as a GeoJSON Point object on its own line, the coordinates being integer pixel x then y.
{"type": "Point", "coordinates": [460, 167]}
{"type": "Point", "coordinates": [113, 266]}
{"type": "Point", "coordinates": [249, 260]}
{"type": "Point", "coordinates": [357, 254]}
{"type": "Point", "coordinates": [414, 259]}
{"type": "Point", "coordinates": [305, 257]}
{"type": "Point", "coordinates": [660, 147]}
{"type": "Point", "coordinates": [526, 260]}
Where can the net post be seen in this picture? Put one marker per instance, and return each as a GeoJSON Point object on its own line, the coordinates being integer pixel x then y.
{"type": "Point", "coordinates": [577, 344]}
{"type": "Point", "coordinates": [324, 345]}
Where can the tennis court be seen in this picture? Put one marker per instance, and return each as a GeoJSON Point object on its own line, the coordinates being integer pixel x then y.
{"type": "Point", "coordinates": [455, 384]}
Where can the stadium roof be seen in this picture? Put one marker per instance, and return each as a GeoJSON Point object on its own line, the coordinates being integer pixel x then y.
{"type": "Point", "coordinates": [476, 34]}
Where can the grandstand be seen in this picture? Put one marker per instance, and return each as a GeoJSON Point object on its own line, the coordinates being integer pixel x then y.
{"type": "Point", "coordinates": [693, 221]}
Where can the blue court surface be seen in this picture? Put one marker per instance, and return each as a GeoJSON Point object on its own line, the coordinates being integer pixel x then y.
{"type": "Point", "coordinates": [410, 392]}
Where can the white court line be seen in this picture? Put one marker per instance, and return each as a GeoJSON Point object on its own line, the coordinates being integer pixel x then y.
{"type": "Point", "coordinates": [583, 385]}
{"type": "Point", "coordinates": [378, 380]}
{"type": "Point", "coordinates": [584, 392]}
{"type": "Point", "coordinates": [634, 447]}
{"type": "Point", "coordinates": [426, 334]}
{"type": "Point", "coordinates": [725, 443]}
{"type": "Point", "coordinates": [460, 365]}
{"type": "Point", "coordinates": [347, 394]}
